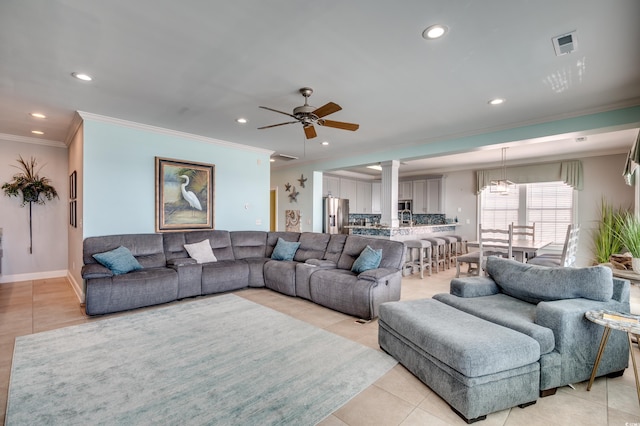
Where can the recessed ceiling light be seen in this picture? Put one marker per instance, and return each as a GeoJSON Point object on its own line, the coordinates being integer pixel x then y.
{"type": "Point", "coordinates": [82, 76]}
{"type": "Point", "coordinates": [272, 160]}
{"type": "Point", "coordinates": [377, 167]}
{"type": "Point", "coordinates": [241, 120]}
{"type": "Point", "coordinates": [325, 143]}
{"type": "Point", "coordinates": [37, 132]}
{"type": "Point", "coordinates": [496, 101]}
{"type": "Point", "coordinates": [37, 115]}
{"type": "Point", "coordinates": [434, 31]}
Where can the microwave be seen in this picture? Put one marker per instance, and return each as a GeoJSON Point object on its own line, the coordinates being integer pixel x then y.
{"type": "Point", "coordinates": [404, 205]}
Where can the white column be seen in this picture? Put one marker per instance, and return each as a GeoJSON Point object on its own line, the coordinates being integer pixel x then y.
{"type": "Point", "coordinates": [389, 189]}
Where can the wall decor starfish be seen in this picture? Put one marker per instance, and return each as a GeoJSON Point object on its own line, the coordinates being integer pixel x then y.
{"type": "Point", "coordinates": [302, 180]}
{"type": "Point", "coordinates": [294, 195]}
{"type": "Point", "coordinates": [287, 187]}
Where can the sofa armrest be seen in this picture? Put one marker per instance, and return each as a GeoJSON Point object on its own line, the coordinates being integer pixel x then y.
{"type": "Point", "coordinates": [621, 290]}
{"type": "Point", "coordinates": [572, 331]}
{"type": "Point", "coordinates": [95, 270]}
{"type": "Point", "coordinates": [375, 275]}
{"type": "Point", "coordinates": [473, 287]}
{"type": "Point", "coordinates": [181, 262]}
{"type": "Point", "coordinates": [323, 264]}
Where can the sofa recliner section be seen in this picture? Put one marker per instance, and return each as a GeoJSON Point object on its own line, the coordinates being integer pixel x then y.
{"type": "Point", "coordinates": [243, 260]}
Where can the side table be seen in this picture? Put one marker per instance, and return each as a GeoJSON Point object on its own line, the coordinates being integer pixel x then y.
{"type": "Point", "coordinates": [615, 321]}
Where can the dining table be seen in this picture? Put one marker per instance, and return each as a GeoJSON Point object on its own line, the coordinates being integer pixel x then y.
{"type": "Point", "coordinates": [518, 246]}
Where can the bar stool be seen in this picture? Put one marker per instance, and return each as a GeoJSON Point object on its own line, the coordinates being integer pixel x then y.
{"type": "Point", "coordinates": [423, 249]}
{"type": "Point", "coordinates": [452, 249]}
{"type": "Point", "coordinates": [438, 252]}
{"type": "Point", "coordinates": [461, 246]}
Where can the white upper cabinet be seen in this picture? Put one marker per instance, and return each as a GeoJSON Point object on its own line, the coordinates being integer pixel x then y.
{"type": "Point", "coordinates": [330, 186]}
{"type": "Point", "coordinates": [376, 197]}
{"type": "Point", "coordinates": [363, 197]}
{"type": "Point", "coordinates": [419, 197]}
{"type": "Point", "coordinates": [405, 190]}
{"type": "Point", "coordinates": [435, 195]}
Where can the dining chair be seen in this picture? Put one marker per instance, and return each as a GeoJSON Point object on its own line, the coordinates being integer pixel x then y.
{"type": "Point", "coordinates": [525, 232]}
{"type": "Point", "coordinates": [569, 249]}
{"type": "Point", "coordinates": [491, 242]}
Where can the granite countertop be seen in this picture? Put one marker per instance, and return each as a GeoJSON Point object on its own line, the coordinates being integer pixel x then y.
{"type": "Point", "coordinates": [401, 227]}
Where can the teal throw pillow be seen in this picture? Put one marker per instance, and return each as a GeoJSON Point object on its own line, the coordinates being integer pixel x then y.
{"type": "Point", "coordinates": [119, 261]}
{"type": "Point", "coordinates": [284, 250]}
{"type": "Point", "coordinates": [368, 259]}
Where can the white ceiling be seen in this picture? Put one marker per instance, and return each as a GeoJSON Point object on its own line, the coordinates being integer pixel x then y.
{"type": "Point", "coordinates": [196, 66]}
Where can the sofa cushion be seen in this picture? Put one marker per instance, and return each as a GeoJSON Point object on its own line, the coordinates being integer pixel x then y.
{"type": "Point", "coordinates": [201, 252]}
{"type": "Point", "coordinates": [249, 244]}
{"type": "Point", "coordinates": [119, 260]}
{"type": "Point", "coordinates": [284, 250]}
{"type": "Point", "coordinates": [312, 246]}
{"type": "Point", "coordinates": [368, 259]}
{"type": "Point", "coordinates": [507, 311]}
{"type": "Point", "coordinates": [535, 284]}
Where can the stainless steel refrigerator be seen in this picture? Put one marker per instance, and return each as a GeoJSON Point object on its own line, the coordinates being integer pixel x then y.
{"type": "Point", "coordinates": [335, 215]}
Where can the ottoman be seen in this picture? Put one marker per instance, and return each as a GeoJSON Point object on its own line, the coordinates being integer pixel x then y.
{"type": "Point", "coordinates": [476, 366]}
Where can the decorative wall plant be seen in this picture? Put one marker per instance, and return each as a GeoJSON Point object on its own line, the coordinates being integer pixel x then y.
{"type": "Point", "coordinates": [31, 186]}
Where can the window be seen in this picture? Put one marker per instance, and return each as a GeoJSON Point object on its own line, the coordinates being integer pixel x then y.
{"type": "Point", "coordinates": [549, 204]}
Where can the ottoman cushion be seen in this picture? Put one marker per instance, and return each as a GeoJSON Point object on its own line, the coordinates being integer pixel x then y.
{"type": "Point", "coordinates": [470, 345]}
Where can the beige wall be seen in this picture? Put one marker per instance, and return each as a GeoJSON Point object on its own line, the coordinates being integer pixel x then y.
{"type": "Point", "coordinates": [50, 221]}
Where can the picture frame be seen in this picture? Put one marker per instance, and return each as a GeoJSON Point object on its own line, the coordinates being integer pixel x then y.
{"type": "Point", "coordinates": [73, 215]}
{"type": "Point", "coordinates": [185, 195]}
{"type": "Point", "coordinates": [73, 185]}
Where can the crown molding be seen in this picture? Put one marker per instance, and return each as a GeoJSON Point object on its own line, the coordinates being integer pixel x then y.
{"type": "Point", "coordinates": [160, 130]}
{"type": "Point", "coordinates": [35, 141]}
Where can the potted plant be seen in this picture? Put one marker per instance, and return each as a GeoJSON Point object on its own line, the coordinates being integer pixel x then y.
{"type": "Point", "coordinates": [606, 237]}
{"type": "Point", "coordinates": [32, 187]}
{"type": "Point", "coordinates": [628, 232]}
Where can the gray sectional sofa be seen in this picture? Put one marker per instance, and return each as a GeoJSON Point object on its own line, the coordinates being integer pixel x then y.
{"type": "Point", "coordinates": [320, 270]}
{"type": "Point", "coordinates": [499, 341]}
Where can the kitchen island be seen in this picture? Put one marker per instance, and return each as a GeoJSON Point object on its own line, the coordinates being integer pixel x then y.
{"type": "Point", "coordinates": [403, 233]}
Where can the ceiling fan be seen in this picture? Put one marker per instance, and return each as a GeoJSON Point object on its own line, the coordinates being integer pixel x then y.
{"type": "Point", "coordinates": [309, 115]}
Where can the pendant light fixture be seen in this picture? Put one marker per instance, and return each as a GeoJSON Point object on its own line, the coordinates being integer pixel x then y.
{"type": "Point", "coordinates": [502, 185]}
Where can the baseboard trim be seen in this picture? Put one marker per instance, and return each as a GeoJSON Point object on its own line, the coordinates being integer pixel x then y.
{"type": "Point", "coordinates": [77, 287]}
{"type": "Point", "coordinates": [33, 276]}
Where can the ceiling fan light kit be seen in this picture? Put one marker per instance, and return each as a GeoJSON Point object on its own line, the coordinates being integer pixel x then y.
{"type": "Point", "coordinates": [309, 115]}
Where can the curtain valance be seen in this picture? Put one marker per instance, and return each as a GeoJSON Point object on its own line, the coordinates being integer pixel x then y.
{"type": "Point", "coordinates": [570, 172]}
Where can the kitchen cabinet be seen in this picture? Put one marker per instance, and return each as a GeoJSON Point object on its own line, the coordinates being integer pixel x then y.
{"type": "Point", "coordinates": [419, 197]}
{"type": "Point", "coordinates": [348, 189]}
{"type": "Point", "coordinates": [376, 197]}
{"type": "Point", "coordinates": [363, 197]}
{"type": "Point", "coordinates": [428, 196]}
{"type": "Point", "coordinates": [405, 190]}
{"type": "Point", "coordinates": [330, 186]}
{"type": "Point", "coordinates": [435, 195]}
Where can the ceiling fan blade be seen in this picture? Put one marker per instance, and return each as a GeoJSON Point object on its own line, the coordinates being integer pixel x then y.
{"type": "Point", "coordinates": [310, 131]}
{"type": "Point", "coordinates": [327, 109]}
{"type": "Point", "coordinates": [276, 125]}
{"type": "Point", "coordinates": [339, 125]}
{"type": "Point", "coordinates": [280, 112]}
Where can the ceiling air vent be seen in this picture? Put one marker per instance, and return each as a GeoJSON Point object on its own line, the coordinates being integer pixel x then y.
{"type": "Point", "coordinates": [565, 43]}
{"type": "Point", "coordinates": [285, 157]}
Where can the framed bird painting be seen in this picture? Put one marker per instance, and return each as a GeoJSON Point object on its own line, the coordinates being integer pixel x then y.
{"type": "Point", "coordinates": [184, 195]}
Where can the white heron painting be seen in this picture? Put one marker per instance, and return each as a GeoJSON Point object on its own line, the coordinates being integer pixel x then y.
{"type": "Point", "coordinates": [184, 195]}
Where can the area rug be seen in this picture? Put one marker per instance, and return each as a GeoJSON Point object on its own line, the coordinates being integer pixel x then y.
{"type": "Point", "coordinates": [221, 360]}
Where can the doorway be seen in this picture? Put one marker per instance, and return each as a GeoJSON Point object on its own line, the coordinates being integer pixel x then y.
{"type": "Point", "coordinates": [273, 209]}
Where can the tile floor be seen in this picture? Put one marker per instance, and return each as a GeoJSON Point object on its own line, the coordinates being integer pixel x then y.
{"type": "Point", "coordinates": [397, 398]}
